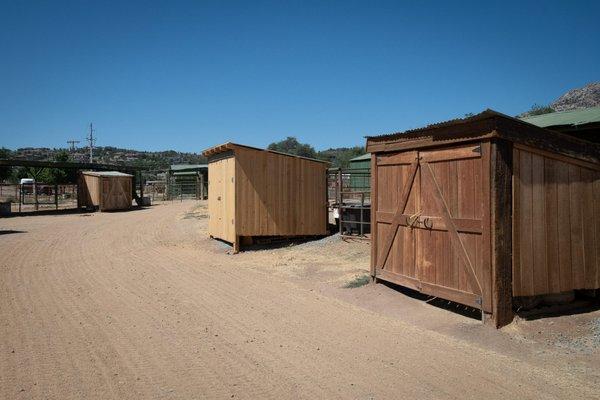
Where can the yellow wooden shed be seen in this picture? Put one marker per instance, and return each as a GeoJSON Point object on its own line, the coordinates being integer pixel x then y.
{"type": "Point", "coordinates": [105, 190]}
{"type": "Point", "coordinates": [261, 193]}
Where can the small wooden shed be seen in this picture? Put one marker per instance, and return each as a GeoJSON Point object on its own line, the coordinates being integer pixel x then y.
{"type": "Point", "coordinates": [104, 190]}
{"type": "Point", "coordinates": [255, 192]}
{"type": "Point", "coordinates": [484, 210]}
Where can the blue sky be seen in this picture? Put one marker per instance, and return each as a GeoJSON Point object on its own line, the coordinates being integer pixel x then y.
{"type": "Point", "coordinates": [189, 75]}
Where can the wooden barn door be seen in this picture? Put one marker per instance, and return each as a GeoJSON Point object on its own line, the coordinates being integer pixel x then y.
{"type": "Point", "coordinates": [116, 193]}
{"type": "Point", "coordinates": [433, 222]}
{"type": "Point", "coordinates": [221, 198]}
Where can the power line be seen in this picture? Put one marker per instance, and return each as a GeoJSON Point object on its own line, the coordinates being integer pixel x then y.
{"type": "Point", "coordinates": [72, 144]}
{"type": "Point", "coordinates": [91, 141]}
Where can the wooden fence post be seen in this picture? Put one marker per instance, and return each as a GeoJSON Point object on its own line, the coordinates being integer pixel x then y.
{"type": "Point", "coordinates": [201, 186]}
{"type": "Point", "coordinates": [373, 200]}
{"type": "Point", "coordinates": [340, 197]}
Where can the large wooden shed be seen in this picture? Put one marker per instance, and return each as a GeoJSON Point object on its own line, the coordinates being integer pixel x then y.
{"type": "Point", "coordinates": [255, 192]}
{"type": "Point", "coordinates": [105, 190]}
{"type": "Point", "coordinates": [485, 210]}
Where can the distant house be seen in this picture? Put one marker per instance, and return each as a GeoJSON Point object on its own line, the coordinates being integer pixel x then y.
{"type": "Point", "coordinates": [583, 123]}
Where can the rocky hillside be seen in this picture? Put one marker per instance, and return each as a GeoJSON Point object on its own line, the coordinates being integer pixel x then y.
{"type": "Point", "coordinates": [585, 97]}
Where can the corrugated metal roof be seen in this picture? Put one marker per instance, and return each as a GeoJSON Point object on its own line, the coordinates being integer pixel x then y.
{"type": "Point", "coordinates": [481, 116]}
{"type": "Point", "coordinates": [185, 173]}
{"type": "Point", "coordinates": [566, 118]}
{"type": "Point", "coordinates": [105, 173]}
{"type": "Point", "coordinates": [364, 157]}
{"type": "Point", "coordinates": [185, 167]}
{"type": "Point", "coordinates": [231, 146]}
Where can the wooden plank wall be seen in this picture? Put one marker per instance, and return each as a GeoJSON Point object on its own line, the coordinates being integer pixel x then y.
{"type": "Point", "coordinates": [89, 192]}
{"type": "Point", "coordinates": [556, 231]}
{"type": "Point", "coordinates": [464, 181]}
{"type": "Point", "coordinates": [221, 199]}
{"type": "Point", "coordinates": [278, 195]}
{"type": "Point", "coordinates": [392, 174]}
{"type": "Point", "coordinates": [428, 257]}
{"type": "Point", "coordinates": [116, 193]}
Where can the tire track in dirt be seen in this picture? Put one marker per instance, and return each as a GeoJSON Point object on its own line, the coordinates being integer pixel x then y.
{"type": "Point", "coordinates": [144, 296]}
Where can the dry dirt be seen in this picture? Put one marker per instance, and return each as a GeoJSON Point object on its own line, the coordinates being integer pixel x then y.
{"type": "Point", "coordinates": [142, 304]}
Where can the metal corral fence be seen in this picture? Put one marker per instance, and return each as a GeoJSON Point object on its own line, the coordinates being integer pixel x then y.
{"type": "Point", "coordinates": [192, 186]}
{"type": "Point", "coordinates": [349, 199]}
{"type": "Point", "coordinates": [39, 196]}
{"type": "Point", "coordinates": [187, 190]}
{"type": "Point", "coordinates": [157, 190]}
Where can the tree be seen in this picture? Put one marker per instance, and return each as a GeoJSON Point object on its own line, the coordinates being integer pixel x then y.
{"type": "Point", "coordinates": [538, 109]}
{"type": "Point", "coordinates": [341, 157]}
{"type": "Point", "coordinates": [57, 176]}
{"type": "Point", "coordinates": [291, 145]}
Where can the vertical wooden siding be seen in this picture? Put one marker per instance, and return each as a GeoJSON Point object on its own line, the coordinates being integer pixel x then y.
{"type": "Point", "coordinates": [106, 193]}
{"type": "Point", "coordinates": [556, 232]}
{"type": "Point", "coordinates": [392, 174]}
{"type": "Point", "coordinates": [92, 189]}
{"type": "Point", "coordinates": [221, 199]}
{"type": "Point", "coordinates": [464, 184]}
{"type": "Point", "coordinates": [116, 193]}
{"type": "Point", "coordinates": [427, 259]}
{"type": "Point", "coordinates": [278, 195]}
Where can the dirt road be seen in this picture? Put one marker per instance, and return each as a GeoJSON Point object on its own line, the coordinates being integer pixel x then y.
{"type": "Point", "coordinates": [142, 305]}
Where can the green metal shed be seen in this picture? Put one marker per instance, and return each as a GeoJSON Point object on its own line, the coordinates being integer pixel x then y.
{"type": "Point", "coordinates": [583, 123]}
{"type": "Point", "coordinates": [359, 169]}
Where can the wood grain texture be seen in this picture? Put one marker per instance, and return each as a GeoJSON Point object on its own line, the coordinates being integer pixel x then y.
{"type": "Point", "coordinates": [555, 249]}
{"type": "Point", "coordinates": [107, 193]}
{"type": "Point", "coordinates": [437, 241]}
{"type": "Point", "coordinates": [264, 193]}
{"type": "Point", "coordinates": [500, 172]}
{"type": "Point", "coordinates": [374, 234]}
{"type": "Point", "coordinates": [221, 199]}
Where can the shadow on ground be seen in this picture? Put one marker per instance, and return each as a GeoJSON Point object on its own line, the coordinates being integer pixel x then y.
{"type": "Point", "coordinates": [69, 211]}
{"type": "Point", "coordinates": [579, 306]}
{"type": "Point", "coordinates": [447, 305]}
{"type": "Point", "coordinates": [10, 232]}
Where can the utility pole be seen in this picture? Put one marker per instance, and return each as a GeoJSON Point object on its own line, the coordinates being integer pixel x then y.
{"type": "Point", "coordinates": [91, 140]}
{"type": "Point", "coordinates": [72, 144]}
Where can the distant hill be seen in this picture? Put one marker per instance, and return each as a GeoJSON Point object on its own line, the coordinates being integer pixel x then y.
{"type": "Point", "coordinates": [584, 97]}
{"type": "Point", "coordinates": [160, 160]}
{"type": "Point", "coordinates": [112, 155]}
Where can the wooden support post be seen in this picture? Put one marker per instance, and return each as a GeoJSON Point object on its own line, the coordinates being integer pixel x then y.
{"type": "Point", "coordinates": [166, 192]}
{"type": "Point", "coordinates": [35, 195]}
{"type": "Point", "coordinates": [201, 186]}
{"type": "Point", "coordinates": [373, 215]}
{"type": "Point", "coordinates": [501, 231]}
{"type": "Point", "coordinates": [340, 197]}
{"type": "Point", "coordinates": [236, 245]}
{"type": "Point", "coordinates": [79, 190]}
{"type": "Point", "coordinates": [56, 195]}
{"type": "Point", "coordinates": [141, 185]}
{"type": "Point", "coordinates": [362, 208]}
